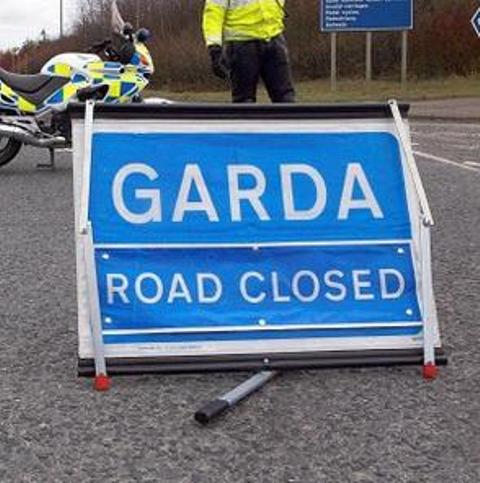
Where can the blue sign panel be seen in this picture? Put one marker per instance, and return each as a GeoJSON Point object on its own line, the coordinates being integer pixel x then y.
{"type": "Point", "coordinates": [236, 188]}
{"type": "Point", "coordinates": [348, 15]}
{"type": "Point", "coordinates": [154, 295]}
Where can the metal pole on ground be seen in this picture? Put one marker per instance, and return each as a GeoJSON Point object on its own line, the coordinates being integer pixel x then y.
{"type": "Point", "coordinates": [333, 61]}
{"type": "Point", "coordinates": [219, 405]}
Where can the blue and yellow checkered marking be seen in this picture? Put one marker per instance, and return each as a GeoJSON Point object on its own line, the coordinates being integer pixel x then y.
{"type": "Point", "coordinates": [123, 83]}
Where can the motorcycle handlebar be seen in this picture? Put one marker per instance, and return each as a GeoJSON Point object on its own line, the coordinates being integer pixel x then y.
{"type": "Point", "coordinates": [100, 46]}
{"type": "Point", "coordinates": [109, 51]}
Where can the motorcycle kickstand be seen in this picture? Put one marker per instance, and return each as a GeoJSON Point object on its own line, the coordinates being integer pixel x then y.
{"type": "Point", "coordinates": [51, 164]}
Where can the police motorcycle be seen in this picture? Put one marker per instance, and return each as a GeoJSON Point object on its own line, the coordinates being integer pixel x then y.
{"type": "Point", "coordinates": [33, 107]}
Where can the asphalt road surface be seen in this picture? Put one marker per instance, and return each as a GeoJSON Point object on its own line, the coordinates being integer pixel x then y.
{"type": "Point", "coordinates": [351, 425]}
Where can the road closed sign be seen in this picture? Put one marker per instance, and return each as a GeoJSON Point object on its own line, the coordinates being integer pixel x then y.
{"type": "Point", "coordinates": [233, 237]}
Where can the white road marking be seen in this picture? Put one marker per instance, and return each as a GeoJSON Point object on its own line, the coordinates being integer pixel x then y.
{"type": "Point", "coordinates": [447, 134]}
{"type": "Point", "coordinates": [460, 125]}
{"type": "Point", "coordinates": [464, 147]}
{"type": "Point", "coordinates": [472, 163]}
{"type": "Point", "coordinates": [445, 161]}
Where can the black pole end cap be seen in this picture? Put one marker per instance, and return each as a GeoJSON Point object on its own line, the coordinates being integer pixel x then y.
{"type": "Point", "coordinates": [211, 410]}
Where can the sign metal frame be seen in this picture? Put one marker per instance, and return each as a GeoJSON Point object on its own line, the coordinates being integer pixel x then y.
{"type": "Point", "coordinates": [177, 116]}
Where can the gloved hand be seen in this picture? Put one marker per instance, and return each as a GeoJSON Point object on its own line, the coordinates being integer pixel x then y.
{"type": "Point", "coordinates": [215, 52]}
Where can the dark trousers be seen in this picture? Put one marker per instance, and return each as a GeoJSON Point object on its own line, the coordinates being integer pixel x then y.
{"type": "Point", "coordinates": [252, 60]}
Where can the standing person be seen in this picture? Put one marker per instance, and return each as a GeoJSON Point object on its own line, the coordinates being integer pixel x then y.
{"type": "Point", "coordinates": [245, 41]}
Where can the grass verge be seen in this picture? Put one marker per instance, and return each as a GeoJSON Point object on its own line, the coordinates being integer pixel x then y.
{"type": "Point", "coordinates": [349, 91]}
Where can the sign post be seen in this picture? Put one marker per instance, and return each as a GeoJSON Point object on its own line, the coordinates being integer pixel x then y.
{"type": "Point", "coordinates": [369, 16]}
{"type": "Point", "coordinates": [250, 237]}
{"type": "Point", "coordinates": [368, 58]}
{"type": "Point", "coordinates": [404, 74]}
{"type": "Point", "coordinates": [333, 61]}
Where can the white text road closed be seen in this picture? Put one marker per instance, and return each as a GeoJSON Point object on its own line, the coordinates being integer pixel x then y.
{"type": "Point", "coordinates": [257, 288]}
{"type": "Point", "coordinates": [253, 287]}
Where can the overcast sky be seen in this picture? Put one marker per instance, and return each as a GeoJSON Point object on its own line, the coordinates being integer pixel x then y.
{"type": "Point", "coordinates": [25, 19]}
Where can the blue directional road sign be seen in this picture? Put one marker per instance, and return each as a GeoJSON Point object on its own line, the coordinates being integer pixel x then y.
{"type": "Point", "coordinates": [476, 22]}
{"type": "Point", "coordinates": [368, 15]}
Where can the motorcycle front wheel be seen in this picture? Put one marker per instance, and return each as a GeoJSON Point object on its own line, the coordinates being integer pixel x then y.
{"type": "Point", "coordinates": [9, 148]}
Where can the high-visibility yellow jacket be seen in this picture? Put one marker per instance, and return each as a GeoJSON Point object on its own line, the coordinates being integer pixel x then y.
{"type": "Point", "coordinates": [227, 20]}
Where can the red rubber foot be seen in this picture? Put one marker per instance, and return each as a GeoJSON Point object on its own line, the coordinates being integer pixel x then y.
{"type": "Point", "coordinates": [102, 383]}
{"type": "Point", "coordinates": [430, 371]}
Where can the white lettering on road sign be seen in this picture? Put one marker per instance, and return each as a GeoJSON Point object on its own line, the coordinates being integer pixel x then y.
{"type": "Point", "coordinates": [193, 180]}
{"type": "Point", "coordinates": [255, 287]}
{"type": "Point", "coordinates": [154, 213]}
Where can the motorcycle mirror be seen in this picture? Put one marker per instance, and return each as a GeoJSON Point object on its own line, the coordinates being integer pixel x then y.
{"type": "Point", "coordinates": [143, 35]}
{"type": "Point", "coordinates": [128, 29]}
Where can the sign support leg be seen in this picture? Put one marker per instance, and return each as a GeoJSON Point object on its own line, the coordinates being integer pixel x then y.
{"type": "Point", "coordinates": [333, 61]}
{"type": "Point", "coordinates": [102, 381]}
{"type": "Point", "coordinates": [404, 59]}
{"type": "Point", "coordinates": [430, 369]}
{"type": "Point", "coordinates": [219, 405]}
{"type": "Point", "coordinates": [368, 58]}
{"type": "Point", "coordinates": [87, 163]}
{"type": "Point", "coordinates": [411, 163]}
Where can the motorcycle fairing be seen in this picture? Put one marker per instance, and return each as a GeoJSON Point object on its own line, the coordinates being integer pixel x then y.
{"type": "Point", "coordinates": [11, 101]}
{"type": "Point", "coordinates": [143, 58]}
{"type": "Point", "coordinates": [56, 91]}
{"type": "Point", "coordinates": [123, 81]}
